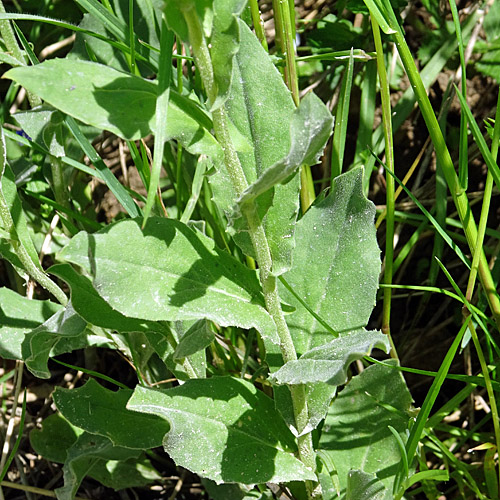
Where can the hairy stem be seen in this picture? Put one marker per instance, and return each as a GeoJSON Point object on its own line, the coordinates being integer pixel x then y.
{"type": "Point", "coordinates": [34, 272]}
{"type": "Point", "coordinates": [10, 41]}
{"type": "Point", "coordinates": [256, 231]}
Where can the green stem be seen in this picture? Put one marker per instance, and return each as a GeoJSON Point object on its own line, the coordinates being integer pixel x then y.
{"type": "Point", "coordinates": [458, 195]}
{"type": "Point", "coordinates": [36, 273]}
{"type": "Point", "coordinates": [10, 41]}
{"type": "Point", "coordinates": [284, 20]}
{"type": "Point", "coordinates": [256, 232]}
{"type": "Point", "coordinates": [487, 383]}
{"type": "Point", "coordinates": [257, 23]}
{"type": "Point", "coordinates": [485, 209]}
{"type": "Point", "coordinates": [389, 154]}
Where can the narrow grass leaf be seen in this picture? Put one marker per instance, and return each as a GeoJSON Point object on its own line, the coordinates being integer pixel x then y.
{"type": "Point", "coordinates": [463, 167]}
{"type": "Point", "coordinates": [431, 219]}
{"type": "Point", "coordinates": [66, 25]}
{"type": "Point", "coordinates": [202, 167]}
{"type": "Point", "coordinates": [111, 181]}
{"type": "Point", "coordinates": [481, 143]}
{"type": "Point", "coordinates": [161, 114]}
{"type": "Point", "coordinates": [428, 475]}
{"type": "Point", "coordinates": [222, 436]}
{"type": "Point", "coordinates": [380, 14]}
{"type": "Point", "coordinates": [420, 423]}
{"type": "Point", "coordinates": [341, 120]}
{"type": "Point", "coordinates": [366, 113]}
{"type": "Point", "coordinates": [115, 25]}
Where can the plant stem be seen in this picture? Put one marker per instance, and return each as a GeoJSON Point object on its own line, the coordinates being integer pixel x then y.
{"type": "Point", "coordinates": [257, 23]}
{"type": "Point", "coordinates": [10, 41]}
{"type": "Point", "coordinates": [389, 154]}
{"type": "Point", "coordinates": [257, 234]}
{"type": "Point", "coordinates": [485, 209]}
{"type": "Point", "coordinates": [458, 195]}
{"type": "Point", "coordinates": [284, 20]}
{"type": "Point", "coordinates": [36, 273]}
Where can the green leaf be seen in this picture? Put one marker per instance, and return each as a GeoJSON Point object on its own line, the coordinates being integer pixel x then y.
{"type": "Point", "coordinates": [199, 336]}
{"type": "Point", "coordinates": [356, 435]}
{"type": "Point", "coordinates": [234, 491]}
{"type": "Point", "coordinates": [225, 44]}
{"type": "Point", "coordinates": [44, 126]}
{"type": "Point", "coordinates": [54, 438]}
{"type": "Point", "coordinates": [105, 53]}
{"type": "Point", "coordinates": [112, 100]}
{"type": "Point", "coordinates": [9, 192]}
{"type": "Point", "coordinates": [100, 411]}
{"type": "Point", "coordinates": [492, 22]}
{"type": "Point", "coordinates": [310, 127]}
{"type": "Point", "coordinates": [93, 308]}
{"type": "Point", "coordinates": [166, 352]}
{"type": "Point", "coordinates": [18, 316]}
{"type": "Point", "coordinates": [329, 362]}
{"type": "Point", "coordinates": [224, 429]}
{"type": "Point", "coordinates": [363, 486]}
{"type": "Point", "coordinates": [169, 272]}
{"type": "Point", "coordinates": [57, 437]}
{"type": "Point", "coordinates": [64, 332]}
{"type": "Point", "coordinates": [260, 107]}
{"type": "Point", "coordinates": [175, 17]}
{"type": "Point", "coordinates": [88, 455]}
{"type": "Point", "coordinates": [337, 246]}
{"type": "Point", "coordinates": [382, 15]}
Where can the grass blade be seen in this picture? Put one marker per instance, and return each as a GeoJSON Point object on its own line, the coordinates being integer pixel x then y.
{"type": "Point", "coordinates": [165, 72]}
{"type": "Point", "coordinates": [341, 119]}
{"type": "Point", "coordinates": [111, 181]}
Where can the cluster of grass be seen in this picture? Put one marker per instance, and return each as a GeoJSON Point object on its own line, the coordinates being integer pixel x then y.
{"type": "Point", "coordinates": [75, 167]}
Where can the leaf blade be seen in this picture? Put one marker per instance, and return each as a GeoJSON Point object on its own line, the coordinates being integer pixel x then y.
{"type": "Point", "coordinates": [222, 436]}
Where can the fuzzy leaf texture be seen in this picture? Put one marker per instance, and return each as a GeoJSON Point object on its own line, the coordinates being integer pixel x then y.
{"type": "Point", "coordinates": [104, 97]}
{"type": "Point", "coordinates": [329, 362]}
{"type": "Point", "coordinates": [100, 411]}
{"type": "Point", "coordinates": [63, 332]}
{"type": "Point", "coordinates": [261, 109]}
{"type": "Point", "coordinates": [18, 316]}
{"type": "Point", "coordinates": [310, 128]}
{"type": "Point", "coordinates": [169, 272]}
{"type": "Point", "coordinates": [57, 437]}
{"type": "Point", "coordinates": [336, 244]}
{"type": "Point", "coordinates": [356, 435]}
{"type": "Point", "coordinates": [224, 429]}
